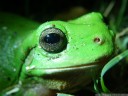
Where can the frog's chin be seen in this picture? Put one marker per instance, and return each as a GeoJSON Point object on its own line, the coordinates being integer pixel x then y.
{"type": "Point", "coordinates": [68, 79]}
{"type": "Point", "coordinates": [65, 79]}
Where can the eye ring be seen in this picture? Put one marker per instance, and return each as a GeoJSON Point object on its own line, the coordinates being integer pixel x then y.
{"type": "Point", "coordinates": [53, 40]}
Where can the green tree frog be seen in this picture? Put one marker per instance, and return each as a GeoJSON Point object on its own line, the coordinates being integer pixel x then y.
{"type": "Point", "coordinates": [62, 56]}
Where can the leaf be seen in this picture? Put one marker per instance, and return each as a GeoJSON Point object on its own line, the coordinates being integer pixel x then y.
{"type": "Point", "coordinates": [108, 66]}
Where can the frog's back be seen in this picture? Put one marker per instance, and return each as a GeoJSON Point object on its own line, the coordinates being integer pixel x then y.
{"type": "Point", "coordinates": [12, 30]}
{"type": "Point", "coordinates": [16, 23]}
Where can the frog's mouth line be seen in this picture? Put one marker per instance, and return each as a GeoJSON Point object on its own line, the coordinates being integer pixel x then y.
{"type": "Point", "coordinates": [71, 68]}
{"type": "Point", "coordinates": [51, 71]}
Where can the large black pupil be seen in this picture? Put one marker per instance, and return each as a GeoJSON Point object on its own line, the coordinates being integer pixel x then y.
{"type": "Point", "coordinates": [52, 38]}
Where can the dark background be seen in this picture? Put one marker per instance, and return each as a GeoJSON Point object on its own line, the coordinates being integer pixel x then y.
{"type": "Point", "coordinates": [43, 10]}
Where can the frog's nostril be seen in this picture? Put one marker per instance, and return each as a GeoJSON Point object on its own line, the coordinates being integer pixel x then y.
{"type": "Point", "coordinates": [98, 40]}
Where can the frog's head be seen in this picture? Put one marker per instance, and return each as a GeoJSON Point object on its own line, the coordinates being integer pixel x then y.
{"type": "Point", "coordinates": [69, 53]}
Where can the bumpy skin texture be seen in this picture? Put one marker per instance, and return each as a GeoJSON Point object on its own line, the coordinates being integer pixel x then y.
{"type": "Point", "coordinates": [89, 45]}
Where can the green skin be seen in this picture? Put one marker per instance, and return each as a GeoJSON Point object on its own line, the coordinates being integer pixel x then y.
{"type": "Point", "coordinates": [88, 45]}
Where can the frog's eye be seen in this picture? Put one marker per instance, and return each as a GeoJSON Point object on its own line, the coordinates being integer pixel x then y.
{"type": "Point", "coordinates": [53, 40]}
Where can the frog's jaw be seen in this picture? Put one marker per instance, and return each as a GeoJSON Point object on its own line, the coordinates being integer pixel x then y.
{"type": "Point", "coordinates": [62, 78]}
{"type": "Point", "coordinates": [65, 79]}
{"type": "Point", "coordinates": [70, 78]}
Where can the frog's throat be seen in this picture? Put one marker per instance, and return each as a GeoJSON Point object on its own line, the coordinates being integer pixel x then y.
{"type": "Point", "coordinates": [67, 79]}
